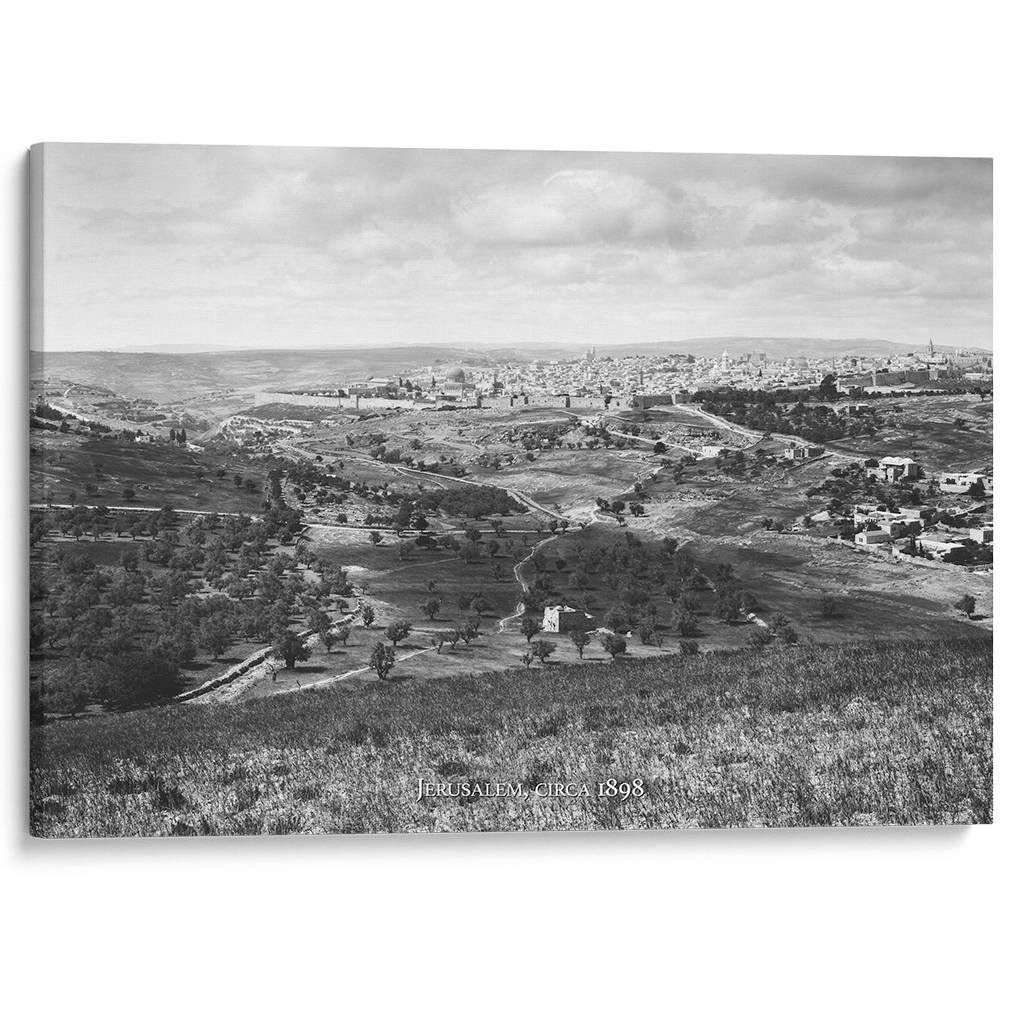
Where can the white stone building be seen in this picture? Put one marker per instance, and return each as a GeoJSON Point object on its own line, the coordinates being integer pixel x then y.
{"type": "Point", "coordinates": [563, 619]}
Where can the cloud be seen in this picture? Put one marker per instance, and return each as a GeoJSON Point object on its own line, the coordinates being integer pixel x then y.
{"type": "Point", "coordinates": [574, 207]}
{"type": "Point", "coordinates": [482, 241]}
{"type": "Point", "coordinates": [793, 223]}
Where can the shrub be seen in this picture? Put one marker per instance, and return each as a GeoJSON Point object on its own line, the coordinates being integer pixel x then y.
{"type": "Point", "coordinates": [782, 630]}
{"type": "Point", "coordinates": [135, 678]}
{"type": "Point", "coordinates": [529, 627]}
{"type": "Point", "coordinates": [290, 648]}
{"type": "Point", "coordinates": [543, 649]}
{"type": "Point", "coordinates": [580, 639]}
{"type": "Point", "coordinates": [613, 644]}
{"type": "Point", "coordinates": [398, 631]}
{"type": "Point", "coordinates": [382, 660]}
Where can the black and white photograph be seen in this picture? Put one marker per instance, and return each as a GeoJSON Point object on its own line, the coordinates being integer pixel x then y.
{"type": "Point", "coordinates": [395, 490]}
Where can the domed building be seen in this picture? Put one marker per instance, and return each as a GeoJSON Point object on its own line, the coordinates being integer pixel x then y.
{"type": "Point", "coordinates": [456, 388]}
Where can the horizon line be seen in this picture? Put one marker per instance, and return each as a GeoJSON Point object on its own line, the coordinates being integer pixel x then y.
{"type": "Point", "coordinates": [168, 349]}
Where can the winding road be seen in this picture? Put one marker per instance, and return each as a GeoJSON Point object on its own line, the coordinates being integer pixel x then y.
{"type": "Point", "coordinates": [654, 441]}
{"type": "Point", "coordinates": [517, 572]}
{"type": "Point", "coordinates": [517, 495]}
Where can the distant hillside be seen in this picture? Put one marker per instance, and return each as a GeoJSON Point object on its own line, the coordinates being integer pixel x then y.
{"type": "Point", "coordinates": [808, 735]}
{"type": "Point", "coordinates": [172, 376]}
{"type": "Point", "coordinates": [774, 348]}
{"type": "Point", "coordinates": [169, 376]}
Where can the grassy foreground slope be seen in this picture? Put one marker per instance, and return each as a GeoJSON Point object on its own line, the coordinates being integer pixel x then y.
{"type": "Point", "coordinates": [894, 733]}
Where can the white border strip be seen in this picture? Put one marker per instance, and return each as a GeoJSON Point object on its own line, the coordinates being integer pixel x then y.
{"type": "Point", "coordinates": [140, 125]}
{"type": "Point", "coordinates": [1008, 574]}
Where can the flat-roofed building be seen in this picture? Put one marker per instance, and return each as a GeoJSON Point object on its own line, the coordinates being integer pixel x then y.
{"type": "Point", "coordinates": [803, 451]}
{"type": "Point", "coordinates": [961, 483]}
{"type": "Point", "coordinates": [867, 538]}
{"type": "Point", "coordinates": [893, 469]}
{"type": "Point", "coordinates": [940, 545]}
{"type": "Point", "coordinates": [564, 619]}
{"type": "Point", "coordinates": [918, 512]}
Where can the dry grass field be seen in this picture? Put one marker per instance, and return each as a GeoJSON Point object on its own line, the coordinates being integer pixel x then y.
{"type": "Point", "coordinates": [889, 733]}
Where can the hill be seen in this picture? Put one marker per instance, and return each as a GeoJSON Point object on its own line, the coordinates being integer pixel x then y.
{"type": "Point", "coordinates": [169, 376]}
{"type": "Point", "coordinates": [887, 733]}
{"type": "Point", "coordinates": [173, 376]}
{"type": "Point", "coordinates": [774, 348]}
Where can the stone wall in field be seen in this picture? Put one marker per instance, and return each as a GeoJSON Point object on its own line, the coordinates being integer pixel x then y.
{"type": "Point", "coordinates": [309, 401]}
{"type": "Point", "coordinates": [228, 677]}
{"type": "Point", "coordinates": [354, 403]}
{"type": "Point", "coordinates": [888, 554]}
{"type": "Point", "coordinates": [539, 401]}
{"type": "Point", "coordinates": [239, 670]}
{"type": "Point", "coordinates": [384, 403]}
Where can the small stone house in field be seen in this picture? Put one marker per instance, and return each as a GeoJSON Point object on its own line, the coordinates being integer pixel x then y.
{"type": "Point", "coordinates": [803, 451]}
{"type": "Point", "coordinates": [563, 619]}
{"type": "Point", "coordinates": [865, 515]}
{"type": "Point", "coordinates": [960, 483]}
{"type": "Point", "coordinates": [893, 469]}
{"type": "Point", "coordinates": [941, 546]}
{"type": "Point", "coordinates": [918, 512]}
{"type": "Point", "coordinates": [867, 538]}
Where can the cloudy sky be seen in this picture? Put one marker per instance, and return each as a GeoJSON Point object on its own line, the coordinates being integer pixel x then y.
{"type": "Point", "coordinates": [271, 247]}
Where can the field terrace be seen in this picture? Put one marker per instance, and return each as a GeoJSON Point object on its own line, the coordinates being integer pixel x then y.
{"type": "Point", "coordinates": [159, 473]}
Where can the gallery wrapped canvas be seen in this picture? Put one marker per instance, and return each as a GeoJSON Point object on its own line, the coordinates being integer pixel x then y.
{"type": "Point", "coordinates": [430, 490]}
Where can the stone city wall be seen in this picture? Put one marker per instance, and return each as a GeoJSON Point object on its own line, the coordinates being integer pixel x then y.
{"type": "Point", "coordinates": [357, 402]}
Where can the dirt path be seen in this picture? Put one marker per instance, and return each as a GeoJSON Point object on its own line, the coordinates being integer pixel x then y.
{"type": "Point", "coordinates": [227, 692]}
{"type": "Point", "coordinates": [114, 424]}
{"type": "Point", "coordinates": [725, 424]}
{"type": "Point", "coordinates": [517, 572]}
{"type": "Point", "coordinates": [654, 440]}
{"type": "Point", "coordinates": [520, 607]}
{"type": "Point", "coordinates": [517, 495]}
{"type": "Point", "coordinates": [331, 680]}
{"type": "Point", "coordinates": [148, 508]}
{"type": "Point", "coordinates": [446, 481]}
{"type": "Point", "coordinates": [236, 688]}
